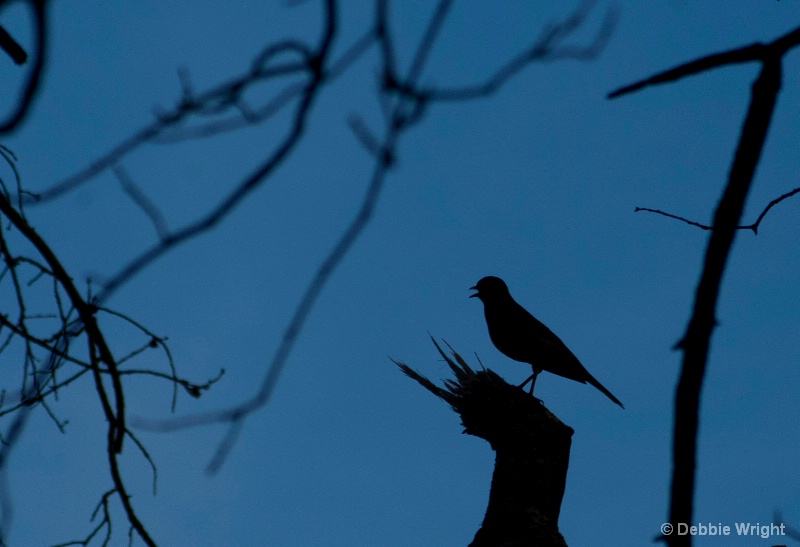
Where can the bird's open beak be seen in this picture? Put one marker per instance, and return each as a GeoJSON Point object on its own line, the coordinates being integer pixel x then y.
{"type": "Point", "coordinates": [473, 289]}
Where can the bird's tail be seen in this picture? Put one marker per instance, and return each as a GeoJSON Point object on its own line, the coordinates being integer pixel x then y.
{"type": "Point", "coordinates": [591, 379]}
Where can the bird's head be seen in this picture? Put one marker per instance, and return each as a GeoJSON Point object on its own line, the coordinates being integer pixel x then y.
{"type": "Point", "coordinates": [490, 288]}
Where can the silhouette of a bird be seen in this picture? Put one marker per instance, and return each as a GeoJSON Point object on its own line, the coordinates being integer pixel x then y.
{"type": "Point", "coordinates": [522, 337]}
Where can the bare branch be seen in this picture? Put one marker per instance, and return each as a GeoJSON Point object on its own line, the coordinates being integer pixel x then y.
{"type": "Point", "coordinates": [41, 382]}
{"type": "Point", "coordinates": [547, 47]}
{"type": "Point", "coordinates": [95, 168]}
{"type": "Point", "coordinates": [12, 47]}
{"type": "Point", "coordinates": [34, 77]}
{"type": "Point", "coordinates": [145, 204]}
{"type": "Point", "coordinates": [364, 134]}
{"type": "Point", "coordinates": [696, 342]}
{"type": "Point", "coordinates": [190, 105]}
{"type": "Point", "coordinates": [736, 56]}
{"type": "Point", "coordinates": [753, 227]}
{"type": "Point", "coordinates": [753, 52]}
{"type": "Point", "coordinates": [771, 204]}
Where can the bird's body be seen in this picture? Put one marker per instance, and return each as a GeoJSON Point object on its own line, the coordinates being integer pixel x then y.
{"type": "Point", "coordinates": [522, 337]}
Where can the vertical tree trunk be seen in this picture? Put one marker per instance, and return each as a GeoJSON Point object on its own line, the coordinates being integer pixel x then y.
{"type": "Point", "coordinates": [532, 454]}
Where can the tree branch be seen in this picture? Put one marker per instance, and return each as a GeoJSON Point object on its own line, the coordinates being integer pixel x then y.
{"type": "Point", "coordinates": [754, 226]}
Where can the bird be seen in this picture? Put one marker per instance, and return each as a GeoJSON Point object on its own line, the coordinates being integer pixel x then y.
{"type": "Point", "coordinates": [521, 337]}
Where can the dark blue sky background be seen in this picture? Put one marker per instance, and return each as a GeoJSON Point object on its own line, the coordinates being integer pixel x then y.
{"type": "Point", "coordinates": [536, 184]}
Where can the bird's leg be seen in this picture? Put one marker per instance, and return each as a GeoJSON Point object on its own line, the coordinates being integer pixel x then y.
{"type": "Point", "coordinates": [523, 384]}
{"type": "Point", "coordinates": [531, 379]}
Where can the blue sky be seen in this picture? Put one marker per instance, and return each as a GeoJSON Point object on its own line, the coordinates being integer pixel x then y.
{"type": "Point", "coordinates": [536, 184]}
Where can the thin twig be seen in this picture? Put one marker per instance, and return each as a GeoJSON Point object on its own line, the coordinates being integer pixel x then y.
{"type": "Point", "coordinates": [22, 108]}
{"type": "Point", "coordinates": [753, 227]}
{"type": "Point", "coordinates": [145, 204]}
